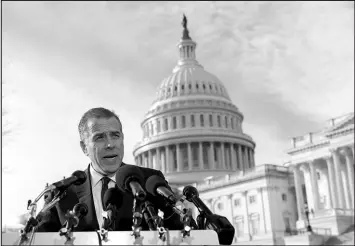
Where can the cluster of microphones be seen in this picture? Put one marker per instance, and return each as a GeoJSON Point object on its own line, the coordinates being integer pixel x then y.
{"type": "Point", "coordinates": [129, 179]}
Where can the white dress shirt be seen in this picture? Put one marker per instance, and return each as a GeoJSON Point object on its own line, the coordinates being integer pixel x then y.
{"type": "Point", "coordinates": [96, 185]}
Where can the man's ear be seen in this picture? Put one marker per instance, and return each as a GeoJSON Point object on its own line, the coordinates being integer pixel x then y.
{"type": "Point", "coordinates": [83, 147]}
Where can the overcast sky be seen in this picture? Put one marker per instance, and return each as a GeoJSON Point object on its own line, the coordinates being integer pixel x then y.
{"type": "Point", "coordinates": [288, 67]}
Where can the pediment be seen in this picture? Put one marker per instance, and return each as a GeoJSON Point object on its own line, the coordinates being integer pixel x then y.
{"type": "Point", "coordinates": [342, 123]}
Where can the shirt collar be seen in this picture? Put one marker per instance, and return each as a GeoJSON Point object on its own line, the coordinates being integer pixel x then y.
{"type": "Point", "coordinates": [96, 177]}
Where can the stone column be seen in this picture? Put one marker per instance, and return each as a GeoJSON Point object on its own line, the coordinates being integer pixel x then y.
{"type": "Point", "coordinates": [339, 185]}
{"type": "Point", "coordinates": [200, 155]}
{"type": "Point", "coordinates": [211, 159]}
{"type": "Point", "coordinates": [251, 159]}
{"type": "Point", "coordinates": [350, 172]}
{"type": "Point", "coordinates": [345, 182]}
{"type": "Point", "coordinates": [233, 159]}
{"type": "Point", "coordinates": [315, 190]}
{"type": "Point", "coordinates": [189, 156]}
{"type": "Point", "coordinates": [178, 158]}
{"type": "Point", "coordinates": [150, 159]}
{"type": "Point", "coordinates": [299, 194]}
{"type": "Point", "coordinates": [223, 159]}
{"type": "Point", "coordinates": [167, 159]}
{"type": "Point", "coordinates": [329, 192]}
{"type": "Point", "coordinates": [158, 162]}
{"type": "Point", "coordinates": [261, 198]}
{"type": "Point", "coordinates": [240, 158]}
{"type": "Point", "coordinates": [246, 158]}
{"type": "Point", "coordinates": [332, 182]}
{"type": "Point", "coordinates": [246, 215]}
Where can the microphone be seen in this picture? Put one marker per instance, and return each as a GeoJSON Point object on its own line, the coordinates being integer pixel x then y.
{"type": "Point", "coordinates": [73, 217]}
{"type": "Point", "coordinates": [219, 224]}
{"type": "Point", "coordinates": [77, 178]}
{"type": "Point", "coordinates": [156, 185]}
{"type": "Point", "coordinates": [129, 179]}
{"type": "Point", "coordinates": [191, 195]}
{"type": "Point", "coordinates": [112, 202]}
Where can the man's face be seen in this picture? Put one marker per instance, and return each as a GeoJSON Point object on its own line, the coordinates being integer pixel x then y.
{"type": "Point", "coordinates": [103, 144]}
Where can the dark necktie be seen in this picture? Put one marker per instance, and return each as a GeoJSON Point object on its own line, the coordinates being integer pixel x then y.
{"type": "Point", "coordinates": [105, 181]}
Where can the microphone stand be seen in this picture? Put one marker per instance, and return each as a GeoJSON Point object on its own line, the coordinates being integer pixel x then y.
{"type": "Point", "coordinates": [32, 222]}
{"type": "Point", "coordinates": [108, 223]}
{"type": "Point", "coordinates": [137, 218]}
{"type": "Point", "coordinates": [149, 217]}
{"type": "Point", "coordinates": [155, 220]}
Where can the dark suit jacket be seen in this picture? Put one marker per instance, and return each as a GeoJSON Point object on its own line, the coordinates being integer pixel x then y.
{"type": "Point", "coordinates": [83, 194]}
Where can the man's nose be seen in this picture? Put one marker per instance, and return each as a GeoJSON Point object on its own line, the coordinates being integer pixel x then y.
{"type": "Point", "coordinates": [110, 143]}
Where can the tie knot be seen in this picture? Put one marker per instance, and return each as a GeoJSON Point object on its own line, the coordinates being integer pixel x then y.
{"type": "Point", "coordinates": [105, 181]}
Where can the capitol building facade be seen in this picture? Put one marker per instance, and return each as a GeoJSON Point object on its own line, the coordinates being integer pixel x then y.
{"type": "Point", "coordinates": [193, 133]}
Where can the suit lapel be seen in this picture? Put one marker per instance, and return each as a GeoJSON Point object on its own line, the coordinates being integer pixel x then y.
{"type": "Point", "coordinates": [84, 193]}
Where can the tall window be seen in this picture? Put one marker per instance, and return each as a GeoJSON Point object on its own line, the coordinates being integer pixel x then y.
{"type": "Point", "coordinates": [254, 224]}
{"type": "Point", "coordinates": [219, 120]}
{"type": "Point", "coordinates": [284, 197]}
{"type": "Point", "coordinates": [194, 150]}
{"type": "Point", "coordinates": [232, 124]}
{"type": "Point", "coordinates": [211, 120]}
{"type": "Point", "coordinates": [147, 130]}
{"type": "Point", "coordinates": [158, 126]}
{"type": "Point", "coordinates": [183, 121]}
{"type": "Point", "coordinates": [165, 124]}
{"type": "Point", "coordinates": [205, 156]}
{"type": "Point", "coordinates": [226, 121]}
{"type": "Point", "coordinates": [174, 122]}
{"type": "Point", "coordinates": [174, 158]}
{"type": "Point", "coordinates": [184, 156]}
{"type": "Point", "coordinates": [151, 128]}
{"type": "Point", "coordinates": [239, 226]}
{"type": "Point", "coordinates": [192, 120]}
{"type": "Point", "coordinates": [202, 120]}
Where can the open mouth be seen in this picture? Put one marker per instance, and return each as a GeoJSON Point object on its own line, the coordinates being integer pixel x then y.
{"type": "Point", "coordinates": [110, 157]}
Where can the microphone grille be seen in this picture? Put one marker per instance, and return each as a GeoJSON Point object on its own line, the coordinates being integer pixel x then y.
{"type": "Point", "coordinates": [189, 192]}
{"type": "Point", "coordinates": [153, 182]}
{"type": "Point", "coordinates": [127, 174]}
{"type": "Point", "coordinates": [81, 177]}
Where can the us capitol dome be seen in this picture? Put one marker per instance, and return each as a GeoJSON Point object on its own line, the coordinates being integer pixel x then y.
{"type": "Point", "coordinates": [193, 131]}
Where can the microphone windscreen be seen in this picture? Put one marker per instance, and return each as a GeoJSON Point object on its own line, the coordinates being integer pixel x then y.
{"type": "Point", "coordinates": [153, 182]}
{"type": "Point", "coordinates": [80, 209]}
{"type": "Point", "coordinates": [127, 174]}
{"type": "Point", "coordinates": [114, 197]}
{"type": "Point", "coordinates": [81, 177]}
{"type": "Point", "coordinates": [189, 192]}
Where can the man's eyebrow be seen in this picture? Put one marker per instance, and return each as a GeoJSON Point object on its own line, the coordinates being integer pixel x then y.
{"type": "Point", "coordinates": [98, 134]}
{"type": "Point", "coordinates": [119, 132]}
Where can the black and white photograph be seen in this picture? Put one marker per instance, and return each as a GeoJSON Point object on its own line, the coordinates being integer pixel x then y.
{"type": "Point", "coordinates": [177, 122]}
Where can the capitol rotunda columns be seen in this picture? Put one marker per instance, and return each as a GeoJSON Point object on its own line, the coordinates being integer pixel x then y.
{"type": "Point", "coordinates": [299, 193]}
{"type": "Point", "coordinates": [350, 173]}
{"type": "Point", "coordinates": [189, 155]}
{"type": "Point", "coordinates": [200, 155]}
{"type": "Point", "coordinates": [314, 180]}
{"type": "Point", "coordinates": [240, 158]}
{"type": "Point", "coordinates": [338, 180]}
{"type": "Point", "coordinates": [332, 182]}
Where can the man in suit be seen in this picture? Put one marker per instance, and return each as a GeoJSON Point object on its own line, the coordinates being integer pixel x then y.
{"type": "Point", "coordinates": [101, 139]}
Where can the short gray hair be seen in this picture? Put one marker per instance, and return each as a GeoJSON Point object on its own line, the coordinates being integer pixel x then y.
{"type": "Point", "coordinates": [94, 113]}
